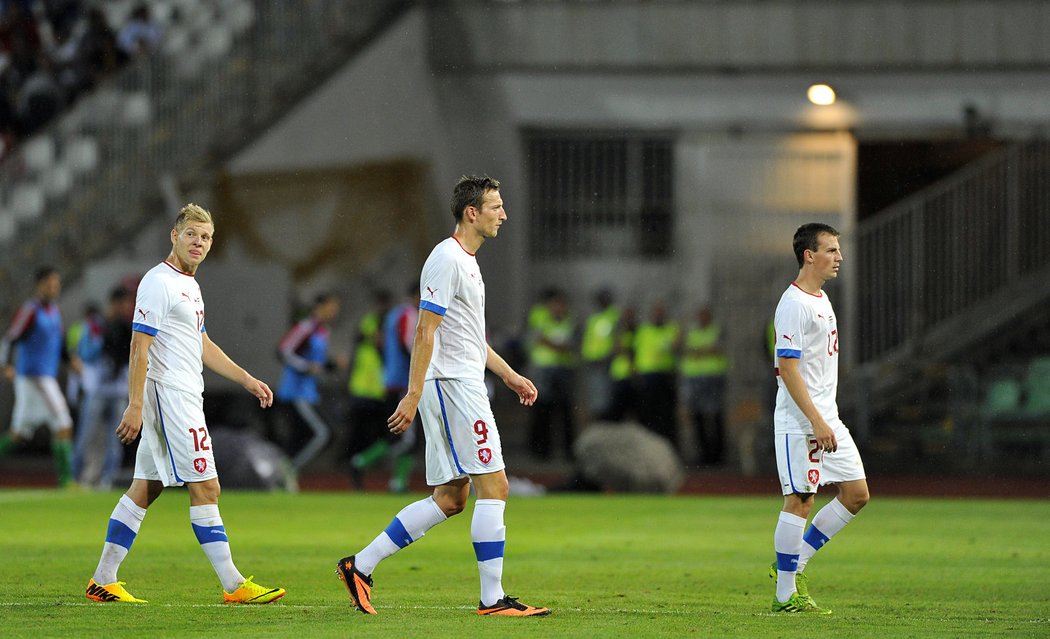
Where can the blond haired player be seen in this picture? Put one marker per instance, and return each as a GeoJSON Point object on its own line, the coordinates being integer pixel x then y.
{"type": "Point", "coordinates": [813, 446]}
{"type": "Point", "coordinates": [169, 348]}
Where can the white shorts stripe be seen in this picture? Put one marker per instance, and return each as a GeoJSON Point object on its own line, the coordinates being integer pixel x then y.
{"type": "Point", "coordinates": [448, 431]}
{"type": "Point", "coordinates": [163, 430]}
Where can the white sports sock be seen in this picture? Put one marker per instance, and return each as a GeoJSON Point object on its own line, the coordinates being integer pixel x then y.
{"type": "Point", "coordinates": [123, 527]}
{"type": "Point", "coordinates": [489, 536]}
{"type": "Point", "coordinates": [787, 541]}
{"type": "Point", "coordinates": [207, 526]}
{"type": "Point", "coordinates": [409, 525]}
{"type": "Point", "coordinates": [826, 524]}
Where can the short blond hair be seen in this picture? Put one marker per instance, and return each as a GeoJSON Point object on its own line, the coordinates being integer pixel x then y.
{"type": "Point", "coordinates": [192, 213]}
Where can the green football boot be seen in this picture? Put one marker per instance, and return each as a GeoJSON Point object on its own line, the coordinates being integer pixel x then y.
{"type": "Point", "coordinates": [801, 583]}
{"type": "Point", "coordinates": [798, 604]}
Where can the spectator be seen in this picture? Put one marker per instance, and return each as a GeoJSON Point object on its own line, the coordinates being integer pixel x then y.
{"type": "Point", "coordinates": [621, 370]}
{"type": "Point", "coordinates": [139, 34]}
{"type": "Point", "coordinates": [398, 331]}
{"type": "Point", "coordinates": [109, 354]}
{"type": "Point", "coordinates": [655, 345]}
{"type": "Point", "coordinates": [552, 357]}
{"type": "Point", "coordinates": [37, 336]}
{"type": "Point", "coordinates": [597, 348]}
{"type": "Point", "coordinates": [368, 413]}
{"type": "Point", "coordinates": [97, 54]}
{"type": "Point", "coordinates": [704, 367]}
{"type": "Point", "coordinates": [87, 330]}
{"type": "Point", "coordinates": [62, 15]}
{"type": "Point", "coordinates": [40, 98]}
{"type": "Point", "coordinates": [304, 352]}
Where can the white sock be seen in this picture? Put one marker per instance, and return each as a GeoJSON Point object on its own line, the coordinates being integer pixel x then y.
{"type": "Point", "coordinates": [409, 525]}
{"type": "Point", "coordinates": [787, 541]}
{"type": "Point", "coordinates": [207, 526]}
{"type": "Point", "coordinates": [123, 527]}
{"type": "Point", "coordinates": [489, 536]}
{"type": "Point", "coordinates": [826, 524]}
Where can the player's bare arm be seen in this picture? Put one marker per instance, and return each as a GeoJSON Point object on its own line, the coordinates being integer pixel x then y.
{"type": "Point", "coordinates": [521, 385]}
{"type": "Point", "coordinates": [422, 350]}
{"type": "Point", "coordinates": [796, 387]}
{"type": "Point", "coordinates": [217, 360]}
{"type": "Point", "coordinates": [138, 362]}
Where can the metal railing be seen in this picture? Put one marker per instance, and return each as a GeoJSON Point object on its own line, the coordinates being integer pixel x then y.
{"type": "Point", "coordinates": [957, 258]}
{"type": "Point", "coordinates": [226, 71]}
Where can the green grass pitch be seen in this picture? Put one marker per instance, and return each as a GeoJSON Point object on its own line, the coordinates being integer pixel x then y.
{"type": "Point", "coordinates": [609, 566]}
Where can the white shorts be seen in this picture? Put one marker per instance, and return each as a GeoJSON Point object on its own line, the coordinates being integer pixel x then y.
{"type": "Point", "coordinates": [175, 446]}
{"type": "Point", "coordinates": [460, 430]}
{"type": "Point", "coordinates": [38, 401]}
{"type": "Point", "coordinates": [803, 467]}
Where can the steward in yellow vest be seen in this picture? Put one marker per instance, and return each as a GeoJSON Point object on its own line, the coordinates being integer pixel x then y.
{"type": "Point", "coordinates": [552, 359]}
{"type": "Point", "coordinates": [655, 346]}
{"type": "Point", "coordinates": [597, 348]}
{"type": "Point", "coordinates": [704, 367]}
{"type": "Point", "coordinates": [621, 370]}
{"type": "Point", "coordinates": [367, 413]}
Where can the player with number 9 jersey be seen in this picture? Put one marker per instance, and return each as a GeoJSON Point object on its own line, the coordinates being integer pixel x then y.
{"type": "Point", "coordinates": [446, 386]}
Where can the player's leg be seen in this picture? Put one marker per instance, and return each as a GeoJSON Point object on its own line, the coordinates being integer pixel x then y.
{"type": "Point", "coordinates": [20, 419]}
{"type": "Point", "coordinates": [402, 452]}
{"type": "Point", "coordinates": [123, 528]}
{"type": "Point", "coordinates": [413, 521]}
{"type": "Point", "coordinates": [475, 435]}
{"type": "Point", "coordinates": [489, 535]}
{"type": "Point", "coordinates": [799, 470]}
{"type": "Point", "coordinates": [833, 517]}
{"type": "Point", "coordinates": [845, 469]}
{"type": "Point", "coordinates": [53, 402]}
{"type": "Point", "coordinates": [320, 433]}
{"type": "Point", "coordinates": [113, 456]}
{"type": "Point", "coordinates": [210, 531]}
{"type": "Point", "coordinates": [370, 435]}
{"type": "Point", "coordinates": [787, 541]}
{"type": "Point", "coordinates": [408, 526]}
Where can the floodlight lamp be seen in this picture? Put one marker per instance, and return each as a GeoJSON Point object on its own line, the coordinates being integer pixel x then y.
{"type": "Point", "coordinates": [821, 94]}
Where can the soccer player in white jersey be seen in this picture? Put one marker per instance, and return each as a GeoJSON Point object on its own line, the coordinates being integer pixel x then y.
{"type": "Point", "coordinates": [169, 348]}
{"type": "Point", "coordinates": [446, 385]}
{"type": "Point", "coordinates": [813, 446]}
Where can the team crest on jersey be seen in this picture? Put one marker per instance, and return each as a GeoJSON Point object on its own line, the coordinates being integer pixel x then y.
{"type": "Point", "coordinates": [485, 455]}
{"type": "Point", "coordinates": [200, 465]}
{"type": "Point", "coordinates": [813, 476]}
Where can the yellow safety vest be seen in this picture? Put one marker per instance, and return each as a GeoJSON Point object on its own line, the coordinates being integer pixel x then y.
{"type": "Point", "coordinates": [599, 335]}
{"type": "Point", "coordinates": [622, 365]}
{"type": "Point", "coordinates": [710, 365]}
{"type": "Point", "coordinates": [366, 376]}
{"type": "Point", "coordinates": [556, 332]}
{"type": "Point", "coordinates": [654, 348]}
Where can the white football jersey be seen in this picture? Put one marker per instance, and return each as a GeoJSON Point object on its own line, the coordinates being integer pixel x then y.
{"type": "Point", "coordinates": [806, 329]}
{"type": "Point", "coordinates": [451, 285]}
{"type": "Point", "coordinates": [169, 307]}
